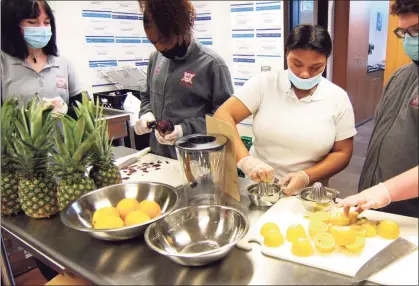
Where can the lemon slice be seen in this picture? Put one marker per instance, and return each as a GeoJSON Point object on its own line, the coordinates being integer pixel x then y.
{"type": "Point", "coordinates": [324, 242]}
{"type": "Point", "coordinates": [359, 230]}
{"type": "Point", "coordinates": [357, 246]}
{"type": "Point", "coordinates": [268, 227]}
{"type": "Point", "coordinates": [273, 239]}
{"type": "Point", "coordinates": [320, 216]}
{"type": "Point", "coordinates": [315, 227]}
{"type": "Point", "coordinates": [339, 219]}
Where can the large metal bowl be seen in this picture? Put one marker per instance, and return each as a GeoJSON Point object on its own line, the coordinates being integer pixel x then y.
{"type": "Point", "coordinates": [315, 206]}
{"type": "Point", "coordinates": [197, 235]}
{"type": "Point", "coordinates": [78, 214]}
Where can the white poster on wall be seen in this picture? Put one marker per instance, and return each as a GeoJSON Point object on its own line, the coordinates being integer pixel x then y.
{"type": "Point", "coordinates": [132, 7]}
{"type": "Point", "coordinates": [128, 48]}
{"type": "Point", "coordinates": [269, 15]}
{"type": "Point", "coordinates": [127, 25]}
{"type": "Point", "coordinates": [203, 26]}
{"type": "Point", "coordinates": [269, 43]}
{"type": "Point", "coordinates": [243, 42]}
{"type": "Point", "coordinates": [107, 6]}
{"type": "Point", "coordinates": [242, 16]}
{"type": "Point", "coordinates": [97, 23]}
{"type": "Point", "coordinates": [244, 67]}
{"type": "Point", "coordinates": [146, 48]}
{"type": "Point", "coordinates": [202, 7]}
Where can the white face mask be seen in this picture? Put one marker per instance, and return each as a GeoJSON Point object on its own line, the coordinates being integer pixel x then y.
{"type": "Point", "coordinates": [304, 83]}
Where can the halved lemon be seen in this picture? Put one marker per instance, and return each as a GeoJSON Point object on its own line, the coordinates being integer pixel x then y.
{"type": "Point", "coordinates": [324, 242]}
{"type": "Point", "coordinates": [302, 247]}
{"type": "Point", "coordinates": [343, 235]}
{"type": "Point", "coordinates": [268, 227]}
{"type": "Point", "coordinates": [388, 229]}
{"type": "Point", "coordinates": [320, 216]}
{"type": "Point", "coordinates": [295, 231]}
{"type": "Point", "coordinates": [273, 239]}
{"type": "Point", "coordinates": [357, 246]}
{"type": "Point", "coordinates": [359, 230]}
{"type": "Point", "coordinates": [339, 219]}
{"type": "Point", "coordinates": [315, 227]}
{"type": "Point", "coordinates": [353, 216]}
{"type": "Point", "coordinates": [371, 229]}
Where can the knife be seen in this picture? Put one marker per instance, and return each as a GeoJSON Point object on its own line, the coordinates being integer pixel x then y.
{"type": "Point", "coordinates": [131, 160]}
{"type": "Point", "coordinates": [391, 253]}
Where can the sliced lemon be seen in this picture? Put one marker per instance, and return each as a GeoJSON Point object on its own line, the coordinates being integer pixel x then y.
{"type": "Point", "coordinates": [343, 235]}
{"type": "Point", "coordinates": [324, 242]}
{"type": "Point", "coordinates": [359, 230]}
{"type": "Point", "coordinates": [388, 229]}
{"type": "Point", "coordinates": [361, 220]}
{"type": "Point", "coordinates": [302, 247]}
{"type": "Point", "coordinates": [371, 229]}
{"type": "Point", "coordinates": [339, 219]}
{"type": "Point", "coordinates": [295, 231]}
{"type": "Point", "coordinates": [357, 246]}
{"type": "Point", "coordinates": [273, 239]}
{"type": "Point", "coordinates": [268, 227]}
{"type": "Point", "coordinates": [320, 216]}
{"type": "Point", "coordinates": [315, 227]}
{"type": "Point", "coordinates": [353, 216]}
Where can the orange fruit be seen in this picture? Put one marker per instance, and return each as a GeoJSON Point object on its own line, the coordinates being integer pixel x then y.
{"type": "Point", "coordinates": [388, 229]}
{"type": "Point", "coordinates": [125, 206]}
{"type": "Point", "coordinates": [136, 217]}
{"type": "Point", "coordinates": [149, 207]}
{"type": "Point", "coordinates": [106, 211]}
{"type": "Point", "coordinates": [109, 222]}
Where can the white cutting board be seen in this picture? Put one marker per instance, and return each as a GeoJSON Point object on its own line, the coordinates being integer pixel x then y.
{"type": "Point", "coordinates": [290, 210]}
{"type": "Point", "coordinates": [169, 172]}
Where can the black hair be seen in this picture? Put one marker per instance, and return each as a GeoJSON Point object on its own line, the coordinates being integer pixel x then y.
{"type": "Point", "coordinates": [309, 37]}
{"type": "Point", "coordinates": [12, 13]}
{"type": "Point", "coordinates": [174, 17]}
{"type": "Point", "coordinates": [405, 7]}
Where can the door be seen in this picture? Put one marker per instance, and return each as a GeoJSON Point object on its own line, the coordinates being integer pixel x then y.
{"type": "Point", "coordinates": [358, 39]}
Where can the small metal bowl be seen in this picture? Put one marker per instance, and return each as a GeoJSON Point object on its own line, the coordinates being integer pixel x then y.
{"type": "Point", "coordinates": [78, 214]}
{"type": "Point", "coordinates": [315, 206]}
{"type": "Point", "coordinates": [197, 235]}
{"type": "Point", "coordinates": [265, 199]}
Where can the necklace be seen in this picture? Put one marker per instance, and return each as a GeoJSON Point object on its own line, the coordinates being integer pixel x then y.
{"type": "Point", "coordinates": [35, 56]}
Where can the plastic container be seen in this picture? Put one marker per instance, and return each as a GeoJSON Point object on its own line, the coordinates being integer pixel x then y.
{"type": "Point", "coordinates": [114, 98]}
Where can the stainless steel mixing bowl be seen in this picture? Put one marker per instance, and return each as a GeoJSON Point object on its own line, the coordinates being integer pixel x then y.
{"type": "Point", "coordinates": [197, 235]}
{"type": "Point", "coordinates": [264, 197]}
{"type": "Point", "coordinates": [315, 206]}
{"type": "Point", "coordinates": [78, 214]}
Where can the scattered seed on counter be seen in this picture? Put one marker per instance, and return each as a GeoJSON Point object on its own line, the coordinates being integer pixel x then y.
{"type": "Point", "coordinates": [157, 169]}
{"type": "Point", "coordinates": [167, 162]}
{"type": "Point", "coordinates": [125, 178]}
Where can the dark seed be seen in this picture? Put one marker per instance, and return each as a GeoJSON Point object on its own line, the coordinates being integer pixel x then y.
{"type": "Point", "coordinates": [125, 178]}
{"type": "Point", "coordinates": [157, 168]}
{"type": "Point", "coordinates": [167, 162]}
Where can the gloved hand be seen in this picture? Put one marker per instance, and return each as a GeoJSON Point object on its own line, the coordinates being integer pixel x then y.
{"type": "Point", "coordinates": [59, 105]}
{"type": "Point", "coordinates": [294, 183]}
{"type": "Point", "coordinates": [140, 126]}
{"type": "Point", "coordinates": [375, 197]}
{"type": "Point", "coordinates": [169, 139]}
{"type": "Point", "coordinates": [256, 169]}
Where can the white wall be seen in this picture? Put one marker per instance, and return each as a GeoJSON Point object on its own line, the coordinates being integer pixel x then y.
{"type": "Point", "coordinates": [378, 38]}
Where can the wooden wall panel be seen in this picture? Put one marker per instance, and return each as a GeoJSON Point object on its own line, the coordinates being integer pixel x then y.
{"type": "Point", "coordinates": [395, 56]}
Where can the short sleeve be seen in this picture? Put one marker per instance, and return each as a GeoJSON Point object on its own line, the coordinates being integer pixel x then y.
{"type": "Point", "coordinates": [74, 86]}
{"type": "Point", "coordinates": [251, 93]}
{"type": "Point", "coordinates": [345, 120]}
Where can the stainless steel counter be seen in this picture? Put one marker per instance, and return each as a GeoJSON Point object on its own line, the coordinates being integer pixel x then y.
{"type": "Point", "coordinates": [132, 262]}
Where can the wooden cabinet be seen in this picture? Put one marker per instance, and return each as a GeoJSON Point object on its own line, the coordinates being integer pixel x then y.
{"type": "Point", "coordinates": [375, 90]}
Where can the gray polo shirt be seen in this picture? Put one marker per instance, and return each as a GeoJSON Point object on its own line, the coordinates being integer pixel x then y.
{"type": "Point", "coordinates": [393, 148]}
{"type": "Point", "coordinates": [56, 79]}
{"type": "Point", "coordinates": [184, 90]}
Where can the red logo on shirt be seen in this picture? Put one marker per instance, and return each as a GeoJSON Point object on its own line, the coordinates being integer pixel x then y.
{"type": "Point", "coordinates": [60, 82]}
{"type": "Point", "coordinates": [187, 78]}
{"type": "Point", "coordinates": [157, 70]}
{"type": "Point", "coordinates": [415, 102]}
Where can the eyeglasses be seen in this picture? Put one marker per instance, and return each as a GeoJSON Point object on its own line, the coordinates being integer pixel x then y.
{"type": "Point", "coordinates": [413, 31]}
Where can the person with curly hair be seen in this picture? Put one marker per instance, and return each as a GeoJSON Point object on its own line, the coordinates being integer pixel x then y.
{"type": "Point", "coordinates": [393, 148]}
{"type": "Point", "coordinates": [185, 80]}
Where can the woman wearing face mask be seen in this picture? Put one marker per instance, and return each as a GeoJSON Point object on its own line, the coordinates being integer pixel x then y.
{"type": "Point", "coordinates": [186, 80]}
{"type": "Point", "coordinates": [29, 57]}
{"type": "Point", "coordinates": [303, 124]}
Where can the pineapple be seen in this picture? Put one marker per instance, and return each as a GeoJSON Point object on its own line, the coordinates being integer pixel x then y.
{"type": "Point", "coordinates": [71, 159]}
{"type": "Point", "coordinates": [104, 172]}
{"type": "Point", "coordinates": [30, 151]}
{"type": "Point", "coordinates": [9, 179]}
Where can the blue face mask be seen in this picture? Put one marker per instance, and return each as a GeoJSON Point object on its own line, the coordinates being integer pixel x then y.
{"type": "Point", "coordinates": [411, 47]}
{"type": "Point", "coordinates": [302, 83]}
{"type": "Point", "coordinates": [37, 37]}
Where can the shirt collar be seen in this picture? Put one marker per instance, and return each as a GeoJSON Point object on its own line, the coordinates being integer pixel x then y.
{"type": "Point", "coordinates": [193, 45]}
{"type": "Point", "coordinates": [285, 86]}
{"type": "Point", "coordinates": [51, 62]}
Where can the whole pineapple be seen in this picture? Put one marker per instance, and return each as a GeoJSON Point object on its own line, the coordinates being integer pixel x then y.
{"type": "Point", "coordinates": [10, 203]}
{"type": "Point", "coordinates": [30, 151]}
{"type": "Point", "coordinates": [104, 172]}
{"type": "Point", "coordinates": [71, 159]}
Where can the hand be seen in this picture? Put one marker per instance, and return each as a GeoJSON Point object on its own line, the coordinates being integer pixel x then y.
{"type": "Point", "coordinates": [59, 105]}
{"type": "Point", "coordinates": [169, 139]}
{"type": "Point", "coordinates": [373, 198]}
{"type": "Point", "coordinates": [141, 127]}
{"type": "Point", "coordinates": [294, 182]}
{"type": "Point", "coordinates": [256, 169]}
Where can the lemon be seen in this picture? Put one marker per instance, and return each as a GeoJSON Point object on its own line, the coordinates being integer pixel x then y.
{"type": "Point", "coordinates": [343, 235]}
{"type": "Point", "coordinates": [151, 208]}
{"type": "Point", "coordinates": [107, 211]}
{"type": "Point", "coordinates": [302, 247]}
{"type": "Point", "coordinates": [320, 216]}
{"type": "Point", "coordinates": [295, 231]}
{"type": "Point", "coordinates": [388, 229]}
{"type": "Point", "coordinates": [324, 242]}
{"type": "Point", "coordinates": [359, 230]}
{"type": "Point", "coordinates": [371, 229]}
{"type": "Point", "coordinates": [136, 217]}
{"type": "Point", "coordinates": [339, 219]}
{"type": "Point", "coordinates": [125, 206]}
{"type": "Point", "coordinates": [268, 227]}
{"type": "Point", "coordinates": [361, 221]}
{"type": "Point", "coordinates": [353, 216]}
{"type": "Point", "coordinates": [109, 222]}
{"type": "Point", "coordinates": [273, 239]}
{"type": "Point", "coordinates": [315, 227]}
{"type": "Point", "coordinates": [357, 246]}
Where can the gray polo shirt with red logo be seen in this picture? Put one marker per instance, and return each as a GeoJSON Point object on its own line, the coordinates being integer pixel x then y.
{"type": "Point", "coordinates": [57, 78]}
{"type": "Point", "coordinates": [184, 90]}
{"type": "Point", "coordinates": [393, 148]}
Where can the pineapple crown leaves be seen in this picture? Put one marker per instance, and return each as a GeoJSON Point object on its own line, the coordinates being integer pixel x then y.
{"type": "Point", "coordinates": [73, 153]}
{"type": "Point", "coordinates": [93, 113]}
{"type": "Point", "coordinates": [8, 116]}
{"type": "Point", "coordinates": [32, 140]}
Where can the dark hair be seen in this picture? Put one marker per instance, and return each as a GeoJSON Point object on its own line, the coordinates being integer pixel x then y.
{"type": "Point", "coordinates": [405, 7]}
{"type": "Point", "coordinates": [309, 37]}
{"type": "Point", "coordinates": [12, 13]}
{"type": "Point", "coordinates": [172, 17]}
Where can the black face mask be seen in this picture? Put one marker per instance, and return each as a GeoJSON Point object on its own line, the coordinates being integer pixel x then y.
{"type": "Point", "coordinates": [177, 51]}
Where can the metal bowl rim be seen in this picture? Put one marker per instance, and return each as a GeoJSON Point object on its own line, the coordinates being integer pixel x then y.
{"type": "Point", "coordinates": [281, 191]}
{"type": "Point", "coordinates": [336, 193]}
{"type": "Point", "coordinates": [64, 220]}
{"type": "Point", "coordinates": [198, 254]}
